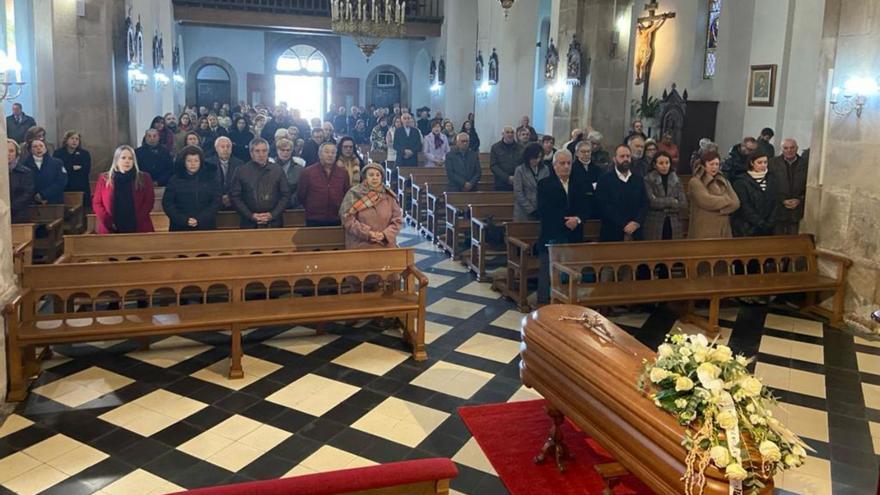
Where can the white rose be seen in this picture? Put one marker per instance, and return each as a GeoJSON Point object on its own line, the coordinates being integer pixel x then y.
{"type": "Point", "coordinates": [700, 340]}
{"type": "Point", "coordinates": [792, 460]}
{"type": "Point", "coordinates": [750, 408]}
{"type": "Point", "coordinates": [681, 403]}
{"type": "Point", "coordinates": [683, 384]}
{"type": "Point", "coordinates": [722, 354]}
{"type": "Point", "coordinates": [751, 386]}
{"type": "Point", "coordinates": [700, 355]}
{"type": "Point", "coordinates": [735, 472]}
{"type": "Point", "coordinates": [720, 456]}
{"type": "Point", "coordinates": [769, 451]}
{"type": "Point", "coordinates": [665, 351]}
{"type": "Point", "coordinates": [685, 351]}
{"type": "Point", "coordinates": [707, 372]}
{"type": "Point", "coordinates": [658, 375]}
{"type": "Point", "coordinates": [799, 451]}
{"type": "Point", "coordinates": [756, 420]}
{"type": "Point", "coordinates": [742, 360]}
{"type": "Point", "coordinates": [726, 420]}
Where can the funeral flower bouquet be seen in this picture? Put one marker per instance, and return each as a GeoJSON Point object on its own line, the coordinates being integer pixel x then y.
{"type": "Point", "coordinates": [710, 390]}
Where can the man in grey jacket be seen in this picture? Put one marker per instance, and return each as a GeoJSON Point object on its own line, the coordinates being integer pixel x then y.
{"type": "Point", "coordinates": [504, 156]}
{"type": "Point", "coordinates": [462, 166]}
{"type": "Point", "coordinates": [259, 189]}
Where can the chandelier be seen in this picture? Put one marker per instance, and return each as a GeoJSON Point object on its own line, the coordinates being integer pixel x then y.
{"type": "Point", "coordinates": [506, 5]}
{"type": "Point", "coordinates": [369, 22]}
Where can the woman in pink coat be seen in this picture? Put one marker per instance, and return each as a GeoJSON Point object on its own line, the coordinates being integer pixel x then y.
{"type": "Point", "coordinates": [370, 213]}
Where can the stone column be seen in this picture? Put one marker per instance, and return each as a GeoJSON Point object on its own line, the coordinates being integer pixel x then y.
{"type": "Point", "coordinates": [460, 36]}
{"type": "Point", "coordinates": [8, 287]}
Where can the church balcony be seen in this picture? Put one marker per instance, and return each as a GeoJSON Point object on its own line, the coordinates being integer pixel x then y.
{"type": "Point", "coordinates": [424, 17]}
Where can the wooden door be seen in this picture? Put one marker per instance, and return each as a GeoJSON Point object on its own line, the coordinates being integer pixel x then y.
{"type": "Point", "coordinates": [699, 123]}
{"type": "Point", "coordinates": [345, 92]}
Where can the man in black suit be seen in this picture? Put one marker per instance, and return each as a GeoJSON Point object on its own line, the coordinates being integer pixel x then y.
{"type": "Point", "coordinates": [622, 200]}
{"type": "Point", "coordinates": [224, 165]}
{"type": "Point", "coordinates": [407, 143]}
{"type": "Point", "coordinates": [310, 149]}
{"type": "Point", "coordinates": [562, 211]}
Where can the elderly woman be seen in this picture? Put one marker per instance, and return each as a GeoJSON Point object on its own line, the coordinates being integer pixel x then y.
{"type": "Point", "coordinates": [712, 200]}
{"type": "Point", "coordinates": [347, 157]}
{"type": "Point", "coordinates": [370, 213]}
{"type": "Point", "coordinates": [192, 196]}
{"type": "Point", "coordinates": [757, 197]}
{"type": "Point", "coordinates": [449, 131]}
{"type": "Point", "coordinates": [525, 183]}
{"type": "Point", "coordinates": [77, 163]}
{"type": "Point", "coordinates": [123, 196]}
{"type": "Point", "coordinates": [436, 146]}
{"type": "Point", "coordinates": [666, 201]}
{"type": "Point", "coordinates": [50, 178]}
{"type": "Point", "coordinates": [21, 184]}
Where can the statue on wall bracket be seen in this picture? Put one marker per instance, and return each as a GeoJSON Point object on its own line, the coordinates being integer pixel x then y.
{"type": "Point", "coordinates": [139, 44]}
{"type": "Point", "coordinates": [158, 51]}
{"type": "Point", "coordinates": [130, 41]}
{"type": "Point", "coordinates": [175, 59]}
{"type": "Point", "coordinates": [493, 68]}
{"type": "Point", "coordinates": [441, 72]}
{"type": "Point", "coordinates": [478, 75]}
{"type": "Point", "coordinates": [551, 62]}
{"type": "Point", "coordinates": [432, 72]}
{"type": "Point", "coordinates": [574, 66]}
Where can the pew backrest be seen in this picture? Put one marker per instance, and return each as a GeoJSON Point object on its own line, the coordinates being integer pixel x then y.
{"type": "Point", "coordinates": [226, 220]}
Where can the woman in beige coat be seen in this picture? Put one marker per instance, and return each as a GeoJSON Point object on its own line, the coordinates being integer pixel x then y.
{"type": "Point", "coordinates": [712, 200]}
{"type": "Point", "coordinates": [370, 213]}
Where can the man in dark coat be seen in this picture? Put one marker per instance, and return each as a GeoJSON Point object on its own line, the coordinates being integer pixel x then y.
{"type": "Point", "coordinates": [300, 123]}
{"type": "Point", "coordinates": [424, 124]}
{"type": "Point", "coordinates": [340, 122]}
{"type": "Point", "coordinates": [639, 165]}
{"type": "Point", "coordinates": [504, 157]}
{"type": "Point", "coordinates": [407, 143]}
{"type": "Point", "coordinates": [462, 166]}
{"type": "Point", "coordinates": [586, 171]}
{"type": "Point", "coordinates": [259, 190]}
{"type": "Point", "coordinates": [310, 149]}
{"type": "Point", "coordinates": [621, 200]}
{"type": "Point", "coordinates": [562, 215]}
{"type": "Point", "coordinates": [736, 162]}
{"type": "Point", "coordinates": [764, 144]}
{"type": "Point", "coordinates": [223, 166]}
{"type": "Point", "coordinates": [524, 125]}
{"type": "Point", "coordinates": [154, 159]}
{"type": "Point", "coordinates": [788, 172]}
{"type": "Point", "coordinates": [18, 123]}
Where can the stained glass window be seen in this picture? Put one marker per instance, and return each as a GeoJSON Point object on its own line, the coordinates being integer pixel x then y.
{"type": "Point", "coordinates": [713, 18]}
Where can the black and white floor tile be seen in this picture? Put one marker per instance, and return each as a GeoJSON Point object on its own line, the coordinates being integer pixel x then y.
{"type": "Point", "coordinates": [108, 418]}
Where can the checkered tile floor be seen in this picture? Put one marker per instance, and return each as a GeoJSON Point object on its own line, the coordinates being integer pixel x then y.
{"type": "Point", "coordinates": [108, 418]}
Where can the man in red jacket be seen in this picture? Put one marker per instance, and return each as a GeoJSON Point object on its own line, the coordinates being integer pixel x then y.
{"type": "Point", "coordinates": [322, 187]}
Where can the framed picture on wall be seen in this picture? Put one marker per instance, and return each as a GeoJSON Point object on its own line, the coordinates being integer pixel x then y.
{"type": "Point", "coordinates": [762, 85]}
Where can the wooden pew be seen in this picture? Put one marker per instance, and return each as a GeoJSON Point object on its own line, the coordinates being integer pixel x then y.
{"type": "Point", "coordinates": [75, 213]}
{"type": "Point", "coordinates": [457, 206]}
{"type": "Point", "coordinates": [49, 236]}
{"type": "Point", "coordinates": [435, 207]}
{"type": "Point", "coordinates": [22, 246]}
{"type": "Point", "coordinates": [226, 220]}
{"type": "Point", "coordinates": [86, 302]}
{"type": "Point", "coordinates": [589, 376]}
{"type": "Point", "coordinates": [482, 217]}
{"type": "Point", "coordinates": [158, 194]}
{"type": "Point", "coordinates": [522, 260]}
{"type": "Point", "coordinates": [621, 273]}
{"type": "Point", "coordinates": [170, 245]}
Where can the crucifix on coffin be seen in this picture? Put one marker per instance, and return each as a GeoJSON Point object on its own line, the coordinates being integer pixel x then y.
{"type": "Point", "coordinates": [646, 27]}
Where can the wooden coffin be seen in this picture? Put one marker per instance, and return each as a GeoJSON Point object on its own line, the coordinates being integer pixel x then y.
{"type": "Point", "coordinates": [591, 379]}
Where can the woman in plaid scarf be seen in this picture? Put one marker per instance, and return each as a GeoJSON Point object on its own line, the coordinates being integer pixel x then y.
{"type": "Point", "coordinates": [370, 213]}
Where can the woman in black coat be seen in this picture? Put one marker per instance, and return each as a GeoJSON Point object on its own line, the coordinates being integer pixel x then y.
{"type": "Point", "coordinates": [192, 196]}
{"type": "Point", "coordinates": [468, 127]}
{"type": "Point", "coordinates": [78, 164]}
{"type": "Point", "coordinates": [757, 198]}
{"type": "Point", "coordinates": [241, 139]}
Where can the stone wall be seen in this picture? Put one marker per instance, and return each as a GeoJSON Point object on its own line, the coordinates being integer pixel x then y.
{"type": "Point", "coordinates": [843, 197]}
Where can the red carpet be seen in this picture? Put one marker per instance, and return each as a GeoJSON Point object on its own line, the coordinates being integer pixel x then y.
{"type": "Point", "coordinates": [512, 434]}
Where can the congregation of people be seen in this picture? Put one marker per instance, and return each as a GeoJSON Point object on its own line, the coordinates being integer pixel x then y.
{"type": "Point", "coordinates": [260, 162]}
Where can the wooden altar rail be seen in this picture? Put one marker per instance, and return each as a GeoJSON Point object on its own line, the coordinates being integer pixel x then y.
{"type": "Point", "coordinates": [226, 220]}
{"type": "Point", "coordinates": [170, 245]}
{"type": "Point", "coordinates": [22, 246]}
{"type": "Point", "coordinates": [87, 302]}
{"type": "Point", "coordinates": [457, 225]}
{"type": "Point", "coordinates": [620, 273]}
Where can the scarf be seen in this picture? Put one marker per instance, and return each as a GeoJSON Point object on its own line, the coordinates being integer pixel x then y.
{"type": "Point", "coordinates": [438, 141]}
{"type": "Point", "coordinates": [760, 178]}
{"type": "Point", "coordinates": [124, 216]}
{"type": "Point", "coordinates": [361, 196]}
{"type": "Point", "coordinates": [664, 178]}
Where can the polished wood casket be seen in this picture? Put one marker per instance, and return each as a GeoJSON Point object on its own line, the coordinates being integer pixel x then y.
{"type": "Point", "coordinates": [590, 375]}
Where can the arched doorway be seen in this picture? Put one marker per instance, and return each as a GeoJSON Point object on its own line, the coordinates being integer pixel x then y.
{"type": "Point", "coordinates": [387, 85]}
{"type": "Point", "coordinates": [302, 80]}
{"type": "Point", "coordinates": [212, 84]}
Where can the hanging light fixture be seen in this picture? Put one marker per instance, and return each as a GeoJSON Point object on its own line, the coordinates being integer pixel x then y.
{"type": "Point", "coordinates": [368, 22]}
{"type": "Point", "coordinates": [506, 5]}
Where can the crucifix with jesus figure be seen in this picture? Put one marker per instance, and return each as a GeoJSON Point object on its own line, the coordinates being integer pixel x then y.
{"type": "Point", "coordinates": [647, 26]}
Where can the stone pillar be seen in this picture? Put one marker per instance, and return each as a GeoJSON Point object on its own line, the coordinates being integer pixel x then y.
{"type": "Point", "coordinates": [460, 36]}
{"type": "Point", "coordinates": [843, 195]}
{"type": "Point", "coordinates": [8, 287]}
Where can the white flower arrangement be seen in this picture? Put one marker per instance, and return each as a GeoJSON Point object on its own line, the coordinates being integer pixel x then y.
{"type": "Point", "coordinates": [710, 390]}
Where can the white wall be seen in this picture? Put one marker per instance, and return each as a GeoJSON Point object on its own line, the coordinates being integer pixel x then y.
{"type": "Point", "coordinates": [243, 49]}
{"type": "Point", "coordinates": [152, 101]}
{"type": "Point", "coordinates": [391, 52]}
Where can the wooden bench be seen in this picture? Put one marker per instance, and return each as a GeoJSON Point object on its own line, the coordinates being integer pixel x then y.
{"type": "Point", "coordinates": [620, 273]}
{"type": "Point", "coordinates": [75, 213]}
{"type": "Point", "coordinates": [86, 302]}
{"type": "Point", "coordinates": [482, 217]}
{"type": "Point", "coordinates": [428, 207]}
{"type": "Point", "coordinates": [49, 233]}
{"type": "Point", "coordinates": [22, 246]}
{"type": "Point", "coordinates": [522, 263]}
{"type": "Point", "coordinates": [169, 245]}
{"type": "Point", "coordinates": [457, 206]}
{"type": "Point", "coordinates": [226, 220]}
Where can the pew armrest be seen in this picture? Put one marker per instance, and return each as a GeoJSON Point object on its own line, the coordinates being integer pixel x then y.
{"type": "Point", "coordinates": [574, 278]}
{"type": "Point", "coordinates": [843, 263]}
{"type": "Point", "coordinates": [21, 248]}
{"type": "Point", "coordinates": [518, 243]}
{"type": "Point", "coordinates": [413, 271]}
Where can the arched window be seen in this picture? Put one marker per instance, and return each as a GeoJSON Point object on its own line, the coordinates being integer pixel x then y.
{"type": "Point", "coordinates": [302, 80]}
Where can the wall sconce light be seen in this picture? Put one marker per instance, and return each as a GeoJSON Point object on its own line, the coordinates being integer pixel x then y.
{"type": "Point", "coordinates": [855, 95]}
{"type": "Point", "coordinates": [161, 79]}
{"type": "Point", "coordinates": [179, 81]}
{"type": "Point", "coordinates": [557, 90]}
{"type": "Point", "coordinates": [483, 90]}
{"type": "Point", "coordinates": [435, 88]}
{"type": "Point", "coordinates": [137, 79]}
{"type": "Point", "coordinates": [9, 67]}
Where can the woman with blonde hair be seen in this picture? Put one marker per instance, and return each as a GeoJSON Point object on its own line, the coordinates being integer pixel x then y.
{"type": "Point", "coordinates": [370, 213]}
{"type": "Point", "coordinates": [123, 196]}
